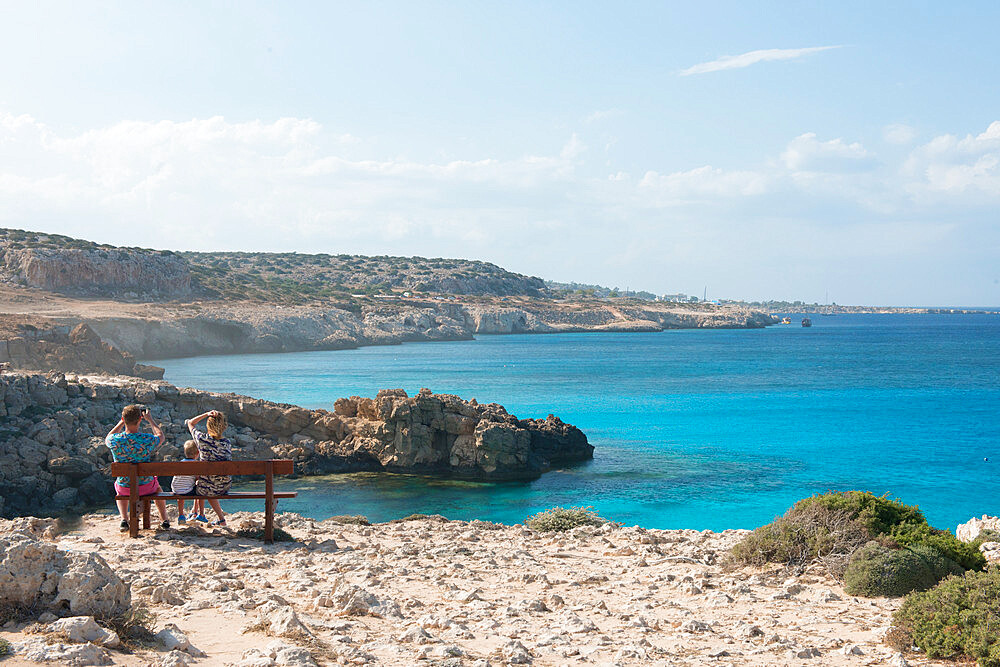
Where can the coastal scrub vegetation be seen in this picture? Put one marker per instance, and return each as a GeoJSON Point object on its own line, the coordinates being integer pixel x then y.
{"type": "Point", "coordinates": [834, 528]}
{"type": "Point", "coordinates": [352, 519]}
{"type": "Point", "coordinates": [280, 535]}
{"type": "Point", "coordinates": [560, 519]}
{"type": "Point", "coordinates": [4, 647]}
{"type": "Point", "coordinates": [134, 627]}
{"type": "Point", "coordinates": [878, 571]}
{"type": "Point", "coordinates": [958, 618]}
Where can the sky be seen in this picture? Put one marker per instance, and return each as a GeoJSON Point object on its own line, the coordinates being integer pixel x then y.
{"type": "Point", "coordinates": [846, 151]}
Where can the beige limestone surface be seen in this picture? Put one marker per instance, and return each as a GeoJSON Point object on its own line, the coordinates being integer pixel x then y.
{"type": "Point", "coordinates": [431, 591]}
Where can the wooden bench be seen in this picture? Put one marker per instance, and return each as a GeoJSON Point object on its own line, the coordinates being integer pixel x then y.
{"type": "Point", "coordinates": [155, 468]}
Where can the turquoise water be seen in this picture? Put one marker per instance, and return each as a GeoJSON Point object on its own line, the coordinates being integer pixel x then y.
{"type": "Point", "coordinates": [693, 429]}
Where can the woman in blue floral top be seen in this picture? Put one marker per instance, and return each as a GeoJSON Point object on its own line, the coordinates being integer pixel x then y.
{"type": "Point", "coordinates": [130, 445]}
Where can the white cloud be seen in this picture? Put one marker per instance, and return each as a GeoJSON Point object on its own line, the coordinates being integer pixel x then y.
{"type": "Point", "coordinates": [899, 133]}
{"type": "Point", "coordinates": [602, 114]}
{"type": "Point", "coordinates": [807, 153]}
{"type": "Point", "coordinates": [293, 184]}
{"type": "Point", "coordinates": [752, 58]}
{"type": "Point", "coordinates": [704, 183]}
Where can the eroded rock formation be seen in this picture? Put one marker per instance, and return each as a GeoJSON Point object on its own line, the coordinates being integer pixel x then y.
{"type": "Point", "coordinates": [52, 428]}
{"type": "Point", "coordinates": [80, 350]}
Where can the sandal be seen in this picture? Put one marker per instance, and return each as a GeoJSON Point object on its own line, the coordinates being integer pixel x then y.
{"type": "Point", "coordinates": [165, 525]}
{"type": "Point", "coordinates": [123, 526]}
{"type": "Point", "coordinates": [221, 523]}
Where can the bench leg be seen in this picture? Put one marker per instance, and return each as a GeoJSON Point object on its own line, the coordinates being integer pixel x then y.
{"type": "Point", "coordinates": [133, 518]}
{"type": "Point", "coordinates": [269, 504]}
{"type": "Point", "coordinates": [145, 513]}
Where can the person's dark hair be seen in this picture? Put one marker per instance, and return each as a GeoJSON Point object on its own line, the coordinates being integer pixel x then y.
{"type": "Point", "coordinates": [132, 413]}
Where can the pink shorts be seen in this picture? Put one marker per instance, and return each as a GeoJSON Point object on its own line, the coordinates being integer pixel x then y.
{"type": "Point", "coordinates": [144, 490]}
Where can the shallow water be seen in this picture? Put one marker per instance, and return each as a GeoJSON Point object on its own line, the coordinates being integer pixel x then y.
{"type": "Point", "coordinates": [693, 429]}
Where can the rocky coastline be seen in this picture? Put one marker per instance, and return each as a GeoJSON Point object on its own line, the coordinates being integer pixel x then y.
{"type": "Point", "coordinates": [145, 331]}
{"type": "Point", "coordinates": [53, 457]}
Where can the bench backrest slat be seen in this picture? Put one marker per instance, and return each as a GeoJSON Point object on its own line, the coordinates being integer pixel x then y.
{"type": "Point", "coordinates": [279, 467]}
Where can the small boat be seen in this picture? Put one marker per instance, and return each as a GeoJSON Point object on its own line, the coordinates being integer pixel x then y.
{"type": "Point", "coordinates": [806, 322]}
{"type": "Point", "coordinates": [786, 320]}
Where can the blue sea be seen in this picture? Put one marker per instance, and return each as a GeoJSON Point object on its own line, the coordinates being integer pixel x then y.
{"type": "Point", "coordinates": [705, 429]}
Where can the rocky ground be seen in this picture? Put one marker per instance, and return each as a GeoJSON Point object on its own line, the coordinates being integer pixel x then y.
{"type": "Point", "coordinates": [432, 591]}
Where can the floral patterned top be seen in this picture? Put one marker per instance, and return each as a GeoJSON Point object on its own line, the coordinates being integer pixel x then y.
{"type": "Point", "coordinates": [211, 449]}
{"type": "Point", "coordinates": [132, 448]}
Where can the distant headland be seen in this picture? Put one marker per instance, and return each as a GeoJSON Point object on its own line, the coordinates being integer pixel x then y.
{"type": "Point", "coordinates": [76, 306]}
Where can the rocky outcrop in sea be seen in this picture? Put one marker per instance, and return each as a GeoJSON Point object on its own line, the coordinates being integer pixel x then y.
{"type": "Point", "coordinates": [53, 457]}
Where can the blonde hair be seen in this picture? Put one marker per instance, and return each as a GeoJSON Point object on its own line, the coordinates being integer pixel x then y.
{"type": "Point", "coordinates": [191, 449]}
{"type": "Point", "coordinates": [216, 424]}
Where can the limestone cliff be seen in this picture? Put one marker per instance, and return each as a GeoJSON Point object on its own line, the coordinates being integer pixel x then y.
{"type": "Point", "coordinates": [52, 428]}
{"type": "Point", "coordinates": [98, 271]}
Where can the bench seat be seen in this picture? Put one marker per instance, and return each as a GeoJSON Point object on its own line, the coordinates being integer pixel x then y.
{"type": "Point", "coordinates": [153, 468]}
{"type": "Point", "coordinates": [232, 495]}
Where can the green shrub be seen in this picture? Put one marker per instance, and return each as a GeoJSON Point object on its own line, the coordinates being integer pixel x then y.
{"type": "Point", "coordinates": [878, 514]}
{"type": "Point", "coordinates": [959, 617]}
{"type": "Point", "coordinates": [832, 526]}
{"type": "Point", "coordinates": [419, 517]}
{"type": "Point", "coordinates": [355, 519]}
{"type": "Point", "coordinates": [4, 647]}
{"type": "Point", "coordinates": [879, 571]}
{"type": "Point", "coordinates": [965, 554]}
{"type": "Point", "coordinates": [804, 534]}
{"type": "Point", "coordinates": [258, 534]}
{"type": "Point", "coordinates": [559, 519]}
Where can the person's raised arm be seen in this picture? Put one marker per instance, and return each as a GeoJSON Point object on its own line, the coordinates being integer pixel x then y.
{"type": "Point", "coordinates": [157, 431]}
{"type": "Point", "coordinates": [117, 429]}
{"type": "Point", "coordinates": [190, 423]}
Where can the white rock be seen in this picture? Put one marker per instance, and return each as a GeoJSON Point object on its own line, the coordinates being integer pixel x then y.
{"type": "Point", "coordinates": [515, 653]}
{"type": "Point", "coordinates": [165, 595]}
{"type": "Point", "coordinates": [172, 638]}
{"type": "Point", "coordinates": [804, 653]}
{"type": "Point", "coordinates": [350, 600]}
{"type": "Point", "coordinates": [826, 595]}
{"type": "Point", "coordinates": [71, 655]}
{"type": "Point", "coordinates": [574, 624]}
{"type": "Point", "coordinates": [970, 530]}
{"type": "Point", "coordinates": [83, 629]}
{"type": "Point", "coordinates": [256, 658]}
{"type": "Point", "coordinates": [416, 635]}
{"type": "Point", "coordinates": [748, 631]}
{"type": "Point", "coordinates": [176, 659]}
{"type": "Point", "coordinates": [36, 574]}
{"type": "Point", "coordinates": [284, 622]}
{"type": "Point", "coordinates": [897, 660]}
{"type": "Point", "coordinates": [294, 656]}
{"type": "Point", "coordinates": [693, 625]}
{"type": "Point", "coordinates": [851, 649]}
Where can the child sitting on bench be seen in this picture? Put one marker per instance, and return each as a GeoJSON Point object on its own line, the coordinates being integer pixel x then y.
{"type": "Point", "coordinates": [184, 485]}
